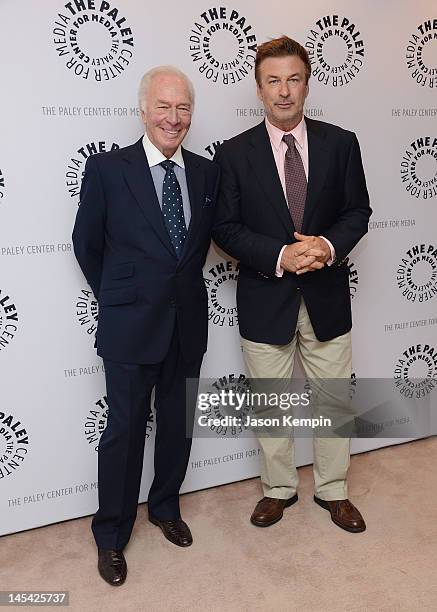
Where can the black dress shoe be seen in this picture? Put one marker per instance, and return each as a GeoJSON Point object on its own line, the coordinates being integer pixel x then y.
{"type": "Point", "coordinates": [112, 566]}
{"type": "Point", "coordinates": [177, 531]}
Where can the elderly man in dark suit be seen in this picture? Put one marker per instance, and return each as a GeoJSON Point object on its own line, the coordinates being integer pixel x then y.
{"type": "Point", "coordinates": [141, 237]}
{"type": "Point", "coordinates": [293, 203]}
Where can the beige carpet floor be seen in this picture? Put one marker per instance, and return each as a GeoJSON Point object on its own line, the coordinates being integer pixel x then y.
{"type": "Point", "coordinates": [304, 562]}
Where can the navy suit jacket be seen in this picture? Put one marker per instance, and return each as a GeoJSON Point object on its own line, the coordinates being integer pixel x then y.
{"type": "Point", "coordinates": [125, 253]}
{"type": "Point", "coordinates": [253, 223]}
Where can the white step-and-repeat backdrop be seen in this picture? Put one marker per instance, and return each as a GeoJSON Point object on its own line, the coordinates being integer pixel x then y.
{"type": "Point", "coordinates": [69, 78]}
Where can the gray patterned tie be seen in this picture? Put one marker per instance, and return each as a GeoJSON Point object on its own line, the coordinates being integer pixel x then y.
{"type": "Point", "coordinates": [295, 181]}
{"type": "Point", "coordinates": [173, 208]}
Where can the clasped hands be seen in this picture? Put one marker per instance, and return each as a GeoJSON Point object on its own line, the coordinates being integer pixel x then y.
{"type": "Point", "coordinates": [308, 254]}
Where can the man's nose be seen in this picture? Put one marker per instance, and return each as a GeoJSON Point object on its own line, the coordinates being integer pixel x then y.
{"type": "Point", "coordinates": [284, 90]}
{"type": "Point", "coordinates": [173, 116]}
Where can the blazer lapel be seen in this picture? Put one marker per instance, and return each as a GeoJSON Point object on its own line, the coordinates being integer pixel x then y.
{"type": "Point", "coordinates": [318, 162]}
{"type": "Point", "coordinates": [196, 191]}
{"type": "Point", "coordinates": [139, 179]}
{"type": "Point", "coordinates": [264, 165]}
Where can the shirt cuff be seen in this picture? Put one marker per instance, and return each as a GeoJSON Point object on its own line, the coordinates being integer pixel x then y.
{"type": "Point", "coordinates": [331, 248]}
{"type": "Point", "coordinates": [280, 271]}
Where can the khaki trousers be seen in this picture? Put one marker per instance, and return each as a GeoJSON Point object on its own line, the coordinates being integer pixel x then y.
{"type": "Point", "coordinates": [320, 360]}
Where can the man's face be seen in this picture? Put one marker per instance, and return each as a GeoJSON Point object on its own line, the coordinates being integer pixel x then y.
{"type": "Point", "coordinates": [167, 115]}
{"type": "Point", "coordinates": [283, 90]}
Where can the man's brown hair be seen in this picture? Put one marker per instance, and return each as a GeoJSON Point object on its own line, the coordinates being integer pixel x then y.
{"type": "Point", "coordinates": [281, 47]}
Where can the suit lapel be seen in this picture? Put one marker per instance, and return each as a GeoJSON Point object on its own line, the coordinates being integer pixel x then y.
{"type": "Point", "coordinates": [318, 162]}
{"type": "Point", "coordinates": [264, 165]}
{"type": "Point", "coordinates": [139, 179]}
{"type": "Point", "coordinates": [196, 191]}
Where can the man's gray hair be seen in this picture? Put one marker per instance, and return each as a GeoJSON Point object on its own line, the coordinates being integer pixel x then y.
{"type": "Point", "coordinates": [148, 76]}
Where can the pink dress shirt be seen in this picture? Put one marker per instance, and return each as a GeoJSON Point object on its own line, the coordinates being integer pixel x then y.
{"type": "Point", "coordinates": [279, 149]}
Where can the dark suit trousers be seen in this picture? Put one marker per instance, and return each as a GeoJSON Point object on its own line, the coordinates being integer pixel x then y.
{"type": "Point", "coordinates": [121, 448]}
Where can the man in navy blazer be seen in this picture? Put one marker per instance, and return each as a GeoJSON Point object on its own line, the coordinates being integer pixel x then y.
{"type": "Point", "coordinates": [293, 203]}
{"type": "Point", "coordinates": [141, 237]}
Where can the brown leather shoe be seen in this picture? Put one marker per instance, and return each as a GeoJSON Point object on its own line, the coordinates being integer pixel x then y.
{"type": "Point", "coordinates": [269, 510]}
{"type": "Point", "coordinates": [177, 531]}
{"type": "Point", "coordinates": [112, 566]}
{"type": "Point", "coordinates": [344, 514]}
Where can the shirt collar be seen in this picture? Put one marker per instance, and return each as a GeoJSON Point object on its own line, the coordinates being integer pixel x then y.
{"type": "Point", "coordinates": [155, 157]}
{"type": "Point", "coordinates": [275, 134]}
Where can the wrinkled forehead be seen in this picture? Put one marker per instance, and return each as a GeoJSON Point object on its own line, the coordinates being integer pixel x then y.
{"type": "Point", "coordinates": [283, 65]}
{"type": "Point", "coordinates": [169, 87]}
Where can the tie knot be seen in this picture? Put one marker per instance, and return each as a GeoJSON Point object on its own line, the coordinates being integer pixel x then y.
{"type": "Point", "coordinates": [289, 140]}
{"type": "Point", "coordinates": [167, 164]}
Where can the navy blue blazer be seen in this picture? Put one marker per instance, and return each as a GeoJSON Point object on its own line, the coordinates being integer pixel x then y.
{"type": "Point", "coordinates": [125, 253]}
{"type": "Point", "coordinates": [253, 223]}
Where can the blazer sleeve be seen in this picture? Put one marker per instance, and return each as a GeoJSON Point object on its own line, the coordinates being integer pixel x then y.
{"type": "Point", "coordinates": [352, 222]}
{"type": "Point", "coordinates": [89, 228]}
{"type": "Point", "coordinates": [257, 251]}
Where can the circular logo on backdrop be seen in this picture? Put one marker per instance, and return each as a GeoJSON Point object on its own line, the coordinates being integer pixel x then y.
{"type": "Point", "coordinates": [353, 278]}
{"type": "Point", "coordinates": [416, 371]}
{"type": "Point", "coordinates": [96, 421]}
{"type": "Point", "coordinates": [212, 148]}
{"type": "Point", "coordinates": [87, 311]}
{"type": "Point", "coordinates": [14, 444]}
{"type": "Point", "coordinates": [220, 282]}
{"type": "Point", "coordinates": [238, 405]}
{"type": "Point", "coordinates": [421, 54]}
{"type": "Point", "coordinates": [419, 168]}
{"type": "Point", "coordinates": [93, 39]}
{"type": "Point", "coordinates": [222, 45]}
{"type": "Point", "coordinates": [416, 275]}
{"type": "Point", "coordinates": [336, 50]}
{"type": "Point", "coordinates": [76, 165]}
{"type": "Point", "coordinates": [8, 320]}
{"type": "Point", "coordinates": [2, 185]}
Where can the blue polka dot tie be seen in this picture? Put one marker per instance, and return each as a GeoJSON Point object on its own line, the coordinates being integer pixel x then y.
{"type": "Point", "coordinates": [172, 207]}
